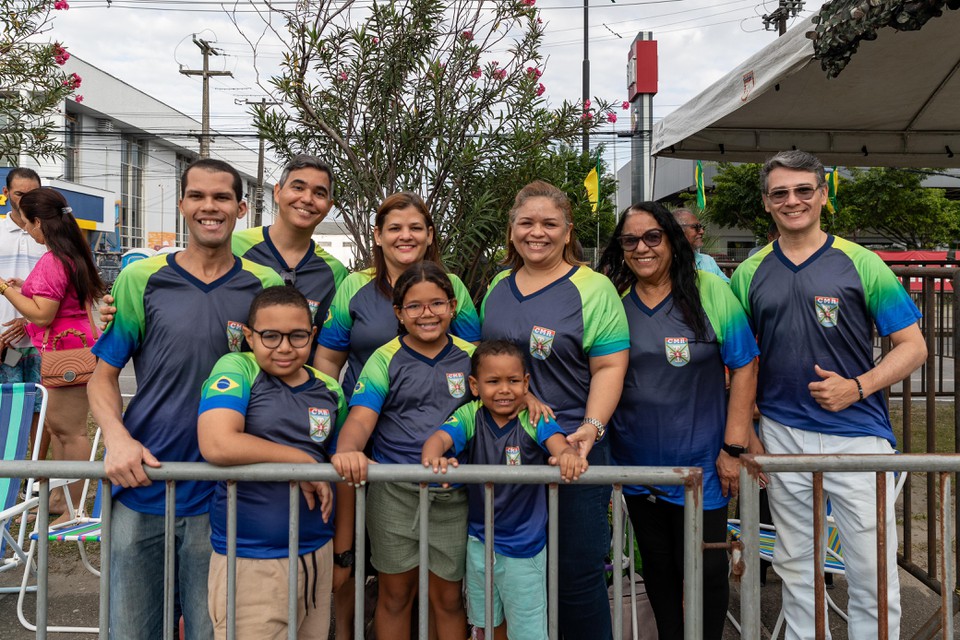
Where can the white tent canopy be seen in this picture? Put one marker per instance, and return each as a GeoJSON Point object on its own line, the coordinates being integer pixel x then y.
{"type": "Point", "coordinates": [897, 103]}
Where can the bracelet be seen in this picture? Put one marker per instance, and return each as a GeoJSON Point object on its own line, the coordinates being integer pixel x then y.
{"type": "Point", "coordinates": [3, 287]}
{"type": "Point", "coordinates": [601, 428]}
{"type": "Point", "coordinates": [855, 379]}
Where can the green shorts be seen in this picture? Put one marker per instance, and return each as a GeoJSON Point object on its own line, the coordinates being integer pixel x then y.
{"type": "Point", "coordinates": [393, 523]}
{"type": "Point", "coordinates": [519, 592]}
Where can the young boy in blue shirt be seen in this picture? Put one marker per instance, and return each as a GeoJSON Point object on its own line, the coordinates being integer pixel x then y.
{"type": "Point", "coordinates": [267, 406]}
{"type": "Point", "coordinates": [496, 429]}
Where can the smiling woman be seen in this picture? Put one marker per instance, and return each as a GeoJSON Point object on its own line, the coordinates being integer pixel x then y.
{"type": "Point", "coordinates": [570, 321]}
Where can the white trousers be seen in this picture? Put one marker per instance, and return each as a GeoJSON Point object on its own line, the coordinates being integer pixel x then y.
{"type": "Point", "coordinates": [853, 505]}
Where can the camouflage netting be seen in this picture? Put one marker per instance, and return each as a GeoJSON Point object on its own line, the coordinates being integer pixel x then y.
{"type": "Point", "coordinates": [842, 24]}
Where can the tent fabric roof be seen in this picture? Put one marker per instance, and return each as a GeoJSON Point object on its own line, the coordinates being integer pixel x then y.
{"type": "Point", "coordinates": [895, 104]}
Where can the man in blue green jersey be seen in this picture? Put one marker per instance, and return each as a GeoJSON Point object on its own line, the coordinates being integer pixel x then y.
{"type": "Point", "coordinates": [177, 314]}
{"type": "Point", "coordinates": [814, 300]}
{"type": "Point", "coordinates": [304, 197]}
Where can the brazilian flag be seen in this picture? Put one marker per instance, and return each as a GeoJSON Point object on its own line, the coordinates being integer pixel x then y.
{"type": "Point", "coordinates": [701, 194]}
{"type": "Point", "coordinates": [833, 181]}
{"type": "Point", "coordinates": [592, 183]}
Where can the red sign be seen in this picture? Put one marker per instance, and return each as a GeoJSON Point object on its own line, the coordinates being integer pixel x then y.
{"type": "Point", "coordinates": [642, 68]}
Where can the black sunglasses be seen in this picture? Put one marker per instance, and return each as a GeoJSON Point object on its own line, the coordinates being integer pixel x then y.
{"type": "Point", "coordinates": [651, 238]}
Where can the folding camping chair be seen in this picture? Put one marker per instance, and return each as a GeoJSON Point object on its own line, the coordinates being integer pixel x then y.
{"type": "Point", "coordinates": [833, 563]}
{"type": "Point", "coordinates": [80, 528]}
{"type": "Point", "coordinates": [16, 416]}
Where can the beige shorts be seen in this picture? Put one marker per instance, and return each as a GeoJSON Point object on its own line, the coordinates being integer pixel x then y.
{"type": "Point", "coordinates": [262, 596]}
{"type": "Point", "coordinates": [393, 523]}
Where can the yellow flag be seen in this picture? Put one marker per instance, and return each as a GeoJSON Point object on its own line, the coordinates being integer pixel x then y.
{"type": "Point", "coordinates": [592, 183]}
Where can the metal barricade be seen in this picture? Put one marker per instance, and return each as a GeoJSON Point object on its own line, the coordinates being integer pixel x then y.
{"type": "Point", "coordinates": [489, 476]}
{"type": "Point", "coordinates": [943, 465]}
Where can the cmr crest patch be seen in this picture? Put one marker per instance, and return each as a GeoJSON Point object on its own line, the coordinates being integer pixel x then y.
{"type": "Point", "coordinates": [319, 424]}
{"type": "Point", "coordinates": [456, 385]}
{"type": "Point", "coordinates": [513, 456]}
{"type": "Point", "coordinates": [541, 342]}
{"type": "Point", "coordinates": [678, 351]}
{"type": "Point", "coordinates": [828, 310]}
{"type": "Point", "coordinates": [234, 336]}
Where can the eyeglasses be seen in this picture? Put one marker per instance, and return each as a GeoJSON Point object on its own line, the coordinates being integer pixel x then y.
{"type": "Point", "coordinates": [696, 226]}
{"type": "Point", "coordinates": [416, 309]}
{"type": "Point", "coordinates": [779, 196]}
{"type": "Point", "coordinates": [289, 277]}
{"type": "Point", "coordinates": [271, 339]}
{"type": "Point", "coordinates": [651, 238]}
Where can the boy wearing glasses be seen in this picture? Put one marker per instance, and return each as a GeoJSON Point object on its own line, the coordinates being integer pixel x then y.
{"type": "Point", "coordinates": [694, 229]}
{"type": "Point", "coordinates": [268, 406]}
{"type": "Point", "coordinates": [813, 300]}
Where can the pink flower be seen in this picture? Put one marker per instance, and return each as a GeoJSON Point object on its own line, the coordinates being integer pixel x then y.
{"type": "Point", "coordinates": [625, 105]}
{"type": "Point", "coordinates": [586, 116]}
{"type": "Point", "coordinates": [533, 71]}
{"type": "Point", "coordinates": [61, 5]}
{"type": "Point", "coordinates": [540, 89]}
{"type": "Point", "coordinates": [500, 74]}
{"type": "Point", "coordinates": [343, 76]}
{"type": "Point", "coordinates": [539, 20]}
{"type": "Point", "coordinates": [376, 40]}
{"type": "Point", "coordinates": [611, 117]}
{"type": "Point", "coordinates": [60, 54]}
{"type": "Point", "coordinates": [78, 98]}
{"type": "Point", "coordinates": [476, 73]}
{"type": "Point", "coordinates": [529, 3]}
{"type": "Point", "coordinates": [73, 81]}
{"type": "Point", "coordinates": [467, 35]}
{"type": "Point", "coordinates": [586, 105]}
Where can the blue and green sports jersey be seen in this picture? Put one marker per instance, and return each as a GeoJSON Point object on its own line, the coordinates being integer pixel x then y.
{"type": "Point", "coordinates": [519, 510]}
{"type": "Point", "coordinates": [673, 410]}
{"type": "Point", "coordinates": [317, 275]}
{"type": "Point", "coordinates": [175, 327]}
{"type": "Point", "coordinates": [361, 320]}
{"type": "Point", "coordinates": [412, 394]}
{"type": "Point", "coordinates": [559, 328]}
{"type": "Point", "coordinates": [307, 417]}
{"type": "Point", "coordinates": [821, 312]}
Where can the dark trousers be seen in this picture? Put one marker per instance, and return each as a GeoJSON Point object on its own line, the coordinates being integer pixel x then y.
{"type": "Point", "coordinates": [659, 529]}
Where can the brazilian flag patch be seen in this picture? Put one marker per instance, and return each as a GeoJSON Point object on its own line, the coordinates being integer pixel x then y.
{"type": "Point", "coordinates": [226, 386]}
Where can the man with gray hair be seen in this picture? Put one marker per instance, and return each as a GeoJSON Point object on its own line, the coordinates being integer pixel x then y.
{"type": "Point", "coordinates": [813, 300]}
{"type": "Point", "coordinates": [694, 229]}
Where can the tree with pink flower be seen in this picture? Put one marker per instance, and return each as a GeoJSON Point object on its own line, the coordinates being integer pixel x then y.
{"type": "Point", "coordinates": [429, 108]}
{"type": "Point", "coordinates": [33, 69]}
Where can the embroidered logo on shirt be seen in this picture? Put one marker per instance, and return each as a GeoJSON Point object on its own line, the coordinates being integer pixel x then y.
{"type": "Point", "coordinates": [329, 317]}
{"type": "Point", "coordinates": [456, 385]}
{"type": "Point", "coordinates": [513, 456]}
{"type": "Point", "coordinates": [541, 342]}
{"type": "Point", "coordinates": [360, 388]}
{"type": "Point", "coordinates": [319, 424]}
{"type": "Point", "coordinates": [234, 336]}
{"type": "Point", "coordinates": [314, 307]}
{"type": "Point", "coordinates": [828, 310]}
{"type": "Point", "coordinates": [678, 351]}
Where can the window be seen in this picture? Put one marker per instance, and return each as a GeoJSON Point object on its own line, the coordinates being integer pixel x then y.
{"type": "Point", "coordinates": [325, 243]}
{"type": "Point", "coordinates": [348, 245]}
{"type": "Point", "coordinates": [71, 147]}
{"type": "Point", "coordinates": [132, 156]}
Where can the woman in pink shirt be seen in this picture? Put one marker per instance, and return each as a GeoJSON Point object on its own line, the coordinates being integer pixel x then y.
{"type": "Point", "coordinates": [56, 296]}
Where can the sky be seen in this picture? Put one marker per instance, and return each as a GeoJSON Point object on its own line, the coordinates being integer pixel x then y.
{"type": "Point", "coordinates": [146, 42]}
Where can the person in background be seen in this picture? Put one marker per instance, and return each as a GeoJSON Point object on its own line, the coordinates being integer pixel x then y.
{"type": "Point", "coordinates": [19, 254]}
{"type": "Point", "coordinates": [686, 326]}
{"type": "Point", "coordinates": [56, 297]}
{"type": "Point", "coordinates": [814, 300]}
{"type": "Point", "coordinates": [694, 230]}
{"type": "Point", "coordinates": [177, 314]}
{"type": "Point", "coordinates": [570, 322]}
{"type": "Point", "coordinates": [772, 234]}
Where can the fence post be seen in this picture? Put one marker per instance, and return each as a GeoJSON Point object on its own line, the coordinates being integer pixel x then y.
{"type": "Point", "coordinates": [750, 536]}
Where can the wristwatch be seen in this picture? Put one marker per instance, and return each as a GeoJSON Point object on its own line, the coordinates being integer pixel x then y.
{"type": "Point", "coordinates": [344, 559]}
{"type": "Point", "coordinates": [601, 428]}
{"type": "Point", "coordinates": [734, 450]}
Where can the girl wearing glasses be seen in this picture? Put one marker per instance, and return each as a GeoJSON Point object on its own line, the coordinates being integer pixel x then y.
{"type": "Point", "coordinates": [407, 389]}
{"type": "Point", "coordinates": [571, 323]}
{"type": "Point", "coordinates": [685, 327]}
{"type": "Point", "coordinates": [361, 317]}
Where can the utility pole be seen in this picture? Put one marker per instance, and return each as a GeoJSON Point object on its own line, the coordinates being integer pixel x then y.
{"type": "Point", "coordinates": [586, 72]}
{"type": "Point", "coordinates": [780, 15]}
{"type": "Point", "coordinates": [258, 198]}
{"type": "Point", "coordinates": [207, 50]}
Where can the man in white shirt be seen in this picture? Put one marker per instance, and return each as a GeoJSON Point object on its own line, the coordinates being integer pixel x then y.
{"type": "Point", "coordinates": [19, 253]}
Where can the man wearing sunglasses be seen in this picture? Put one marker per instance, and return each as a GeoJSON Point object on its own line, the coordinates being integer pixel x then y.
{"type": "Point", "coordinates": [693, 229]}
{"type": "Point", "coordinates": [814, 300]}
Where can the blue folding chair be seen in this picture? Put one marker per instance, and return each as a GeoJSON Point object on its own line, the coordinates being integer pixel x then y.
{"type": "Point", "coordinates": [16, 416]}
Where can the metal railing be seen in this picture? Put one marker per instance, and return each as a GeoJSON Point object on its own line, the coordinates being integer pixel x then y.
{"type": "Point", "coordinates": [489, 476]}
{"type": "Point", "coordinates": [944, 578]}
